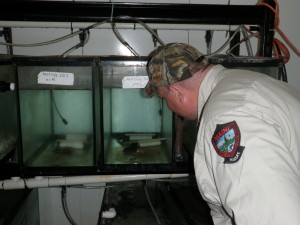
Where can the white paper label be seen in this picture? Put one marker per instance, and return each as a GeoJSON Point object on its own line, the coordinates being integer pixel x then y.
{"type": "Point", "coordinates": [57, 78]}
{"type": "Point", "coordinates": [135, 81]}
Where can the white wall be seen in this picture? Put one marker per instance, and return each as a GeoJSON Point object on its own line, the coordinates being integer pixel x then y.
{"type": "Point", "coordinates": [83, 205]}
{"type": "Point", "coordinates": [290, 20]}
{"type": "Point", "coordinates": [103, 41]}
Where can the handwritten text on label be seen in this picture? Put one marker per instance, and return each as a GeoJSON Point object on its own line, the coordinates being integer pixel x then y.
{"type": "Point", "coordinates": [56, 78]}
{"type": "Point", "coordinates": [134, 81]}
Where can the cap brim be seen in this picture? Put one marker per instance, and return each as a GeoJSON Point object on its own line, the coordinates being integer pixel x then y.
{"type": "Point", "coordinates": [149, 90]}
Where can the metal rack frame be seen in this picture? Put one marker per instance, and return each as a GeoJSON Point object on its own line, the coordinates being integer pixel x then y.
{"type": "Point", "coordinates": [260, 17]}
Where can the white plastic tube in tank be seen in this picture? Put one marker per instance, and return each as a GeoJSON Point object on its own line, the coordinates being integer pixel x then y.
{"type": "Point", "coordinates": [70, 144]}
{"type": "Point", "coordinates": [149, 144]}
{"type": "Point", "coordinates": [109, 214]}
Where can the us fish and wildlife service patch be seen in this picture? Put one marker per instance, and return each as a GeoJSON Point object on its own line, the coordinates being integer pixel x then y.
{"type": "Point", "coordinates": [226, 141]}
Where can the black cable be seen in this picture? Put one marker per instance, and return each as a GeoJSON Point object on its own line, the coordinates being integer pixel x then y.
{"type": "Point", "coordinates": [150, 203]}
{"type": "Point", "coordinates": [283, 68]}
{"type": "Point", "coordinates": [65, 206]}
{"type": "Point", "coordinates": [208, 40]}
{"type": "Point", "coordinates": [283, 73]}
{"type": "Point", "coordinates": [56, 109]}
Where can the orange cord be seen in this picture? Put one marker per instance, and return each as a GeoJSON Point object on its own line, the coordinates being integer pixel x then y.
{"type": "Point", "coordinates": [276, 54]}
{"type": "Point", "coordinates": [284, 49]}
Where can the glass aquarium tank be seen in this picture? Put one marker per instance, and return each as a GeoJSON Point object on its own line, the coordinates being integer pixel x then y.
{"type": "Point", "coordinates": [88, 115]}
{"type": "Point", "coordinates": [56, 112]}
{"type": "Point", "coordinates": [136, 130]}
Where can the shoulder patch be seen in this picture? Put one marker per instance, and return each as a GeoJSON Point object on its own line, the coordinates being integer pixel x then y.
{"type": "Point", "coordinates": [226, 141]}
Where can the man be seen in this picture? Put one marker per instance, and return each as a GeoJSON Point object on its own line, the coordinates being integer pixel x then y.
{"type": "Point", "coordinates": [247, 155]}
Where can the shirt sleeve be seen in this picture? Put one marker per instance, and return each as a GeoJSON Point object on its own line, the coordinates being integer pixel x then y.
{"type": "Point", "coordinates": [219, 216]}
{"type": "Point", "coordinates": [263, 185]}
{"type": "Point", "coordinates": [207, 187]}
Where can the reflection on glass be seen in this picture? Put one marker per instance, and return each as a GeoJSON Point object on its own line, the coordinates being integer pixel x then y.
{"type": "Point", "coordinates": [57, 127]}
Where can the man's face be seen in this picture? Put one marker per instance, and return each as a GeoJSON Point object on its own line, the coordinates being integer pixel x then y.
{"type": "Point", "coordinates": [177, 101]}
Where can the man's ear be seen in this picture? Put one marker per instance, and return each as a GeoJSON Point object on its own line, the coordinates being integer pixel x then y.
{"type": "Point", "coordinates": [178, 92]}
{"type": "Point", "coordinates": [163, 91]}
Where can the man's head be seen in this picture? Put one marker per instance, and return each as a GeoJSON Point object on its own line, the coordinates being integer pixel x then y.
{"type": "Point", "coordinates": [173, 63]}
{"type": "Point", "coordinates": [171, 71]}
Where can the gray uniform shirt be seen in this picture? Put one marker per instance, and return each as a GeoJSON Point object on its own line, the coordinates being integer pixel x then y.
{"type": "Point", "coordinates": [247, 156]}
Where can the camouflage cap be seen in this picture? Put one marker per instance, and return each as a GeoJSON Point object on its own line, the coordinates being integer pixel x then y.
{"type": "Point", "coordinates": [173, 63]}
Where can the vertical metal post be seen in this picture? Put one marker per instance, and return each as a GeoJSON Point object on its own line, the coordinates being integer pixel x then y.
{"type": "Point", "coordinates": [236, 39]}
{"type": "Point", "coordinates": [267, 31]}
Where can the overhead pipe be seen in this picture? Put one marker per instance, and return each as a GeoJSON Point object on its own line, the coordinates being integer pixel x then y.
{"type": "Point", "coordinates": [131, 25]}
{"type": "Point", "coordinates": [43, 182]}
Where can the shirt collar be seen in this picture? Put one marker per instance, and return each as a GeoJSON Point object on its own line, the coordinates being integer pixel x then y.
{"type": "Point", "coordinates": [208, 84]}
